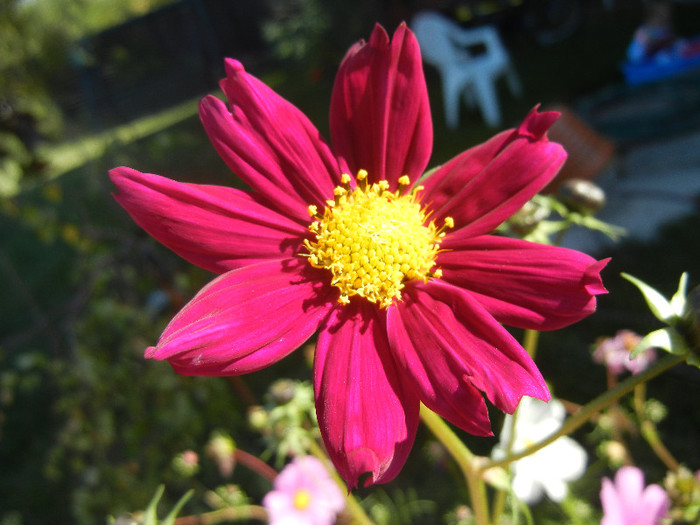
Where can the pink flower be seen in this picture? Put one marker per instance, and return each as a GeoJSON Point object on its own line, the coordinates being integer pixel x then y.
{"type": "Point", "coordinates": [403, 282]}
{"type": "Point", "coordinates": [304, 494]}
{"type": "Point", "coordinates": [627, 502]}
{"type": "Point", "coordinates": [614, 352]}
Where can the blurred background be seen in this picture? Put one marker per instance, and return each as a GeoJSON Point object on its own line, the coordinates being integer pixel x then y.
{"type": "Point", "coordinates": [88, 428]}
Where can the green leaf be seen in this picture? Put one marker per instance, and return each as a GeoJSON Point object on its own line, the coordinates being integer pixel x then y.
{"type": "Point", "coordinates": [590, 222]}
{"type": "Point", "coordinates": [551, 203]}
{"type": "Point", "coordinates": [665, 338]}
{"type": "Point", "coordinates": [693, 359]}
{"type": "Point", "coordinates": [657, 303]}
{"type": "Point", "coordinates": [170, 518]}
{"type": "Point", "coordinates": [678, 301]}
{"type": "Point", "coordinates": [150, 515]}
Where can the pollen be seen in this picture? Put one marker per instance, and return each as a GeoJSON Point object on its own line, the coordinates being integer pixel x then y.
{"type": "Point", "coordinates": [373, 240]}
{"type": "Point", "coordinates": [302, 499]}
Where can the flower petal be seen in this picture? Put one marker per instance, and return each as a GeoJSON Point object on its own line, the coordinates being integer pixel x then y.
{"type": "Point", "coordinates": [613, 510]}
{"type": "Point", "coordinates": [655, 503]}
{"type": "Point", "coordinates": [458, 342]}
{"type": "Point", "coordinates": [565, 458]}
{"type": "Point", "coordinates": [526, 488]}
{"type": "Point", "coordinates": [214, 227]}
{"type": "Point", "coordinates": [442, 387]}
{"type": "Point", "coordinates": [270, 144]}
{"type": "Point", "coordinates": [367, 414]}
{"type": "Point", "coordinates": [485, 185]}
{"type": "Point", "coordinates": [380, 114]}
{"type": "Point", "coordinates": [246, 319]}
{"type": "Point", "coordinates": [524, 284]}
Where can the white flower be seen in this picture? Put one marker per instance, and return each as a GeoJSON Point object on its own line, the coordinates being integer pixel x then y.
{"type": "Point", "coordinates": [548, 470]}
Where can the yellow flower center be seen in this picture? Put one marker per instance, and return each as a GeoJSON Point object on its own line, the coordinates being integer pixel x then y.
{"type": "Point", "coordinates": [374, 240]}
{"type": "Point", "coordinates": [302, 499]}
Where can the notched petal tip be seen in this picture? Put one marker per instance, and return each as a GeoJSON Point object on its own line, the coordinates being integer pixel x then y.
{"type": "Point", "coordinates": [116, 173]}
{"type": "Point", "coordinates": [363, 468]}
{"type": "Point", "coordinates": [119, 174]}
{"type": "Point", "coordinates": [379, 37]}
{"type": "Point", "coordinates": [210, 106]}
{"type": "Point", "coordinates": [592, 279]}
{"type": "Point", "coordinates": [232, 67]}
{"type": "Point", "coordinates": [537, 389]}
{"type": "Point", "coordinates": [537, 123]}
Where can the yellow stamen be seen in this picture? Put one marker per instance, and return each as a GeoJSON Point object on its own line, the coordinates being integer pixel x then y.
{"type": "Point", "coordinates": [373, 241]}
{"type": "Point", "coordinates": [302, 499]}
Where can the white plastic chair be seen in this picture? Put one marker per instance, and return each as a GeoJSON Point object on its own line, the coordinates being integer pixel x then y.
{"type": "Point", "coordinates": [452, 50]}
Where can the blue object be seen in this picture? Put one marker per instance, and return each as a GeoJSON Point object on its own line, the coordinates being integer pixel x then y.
{"type": "Point", "coordinates": [654, 69]}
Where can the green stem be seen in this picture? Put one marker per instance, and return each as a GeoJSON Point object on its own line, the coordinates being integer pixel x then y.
{"type": "Point", "coordinates": [359, 516]}
{"type": "Point", "coordinates": [499, 505]}
{"type": "Point", "coordinates": [530, 339]}
{"type": "Point", "coordinates": [229, 514]}
{"type": "Point", "coordinates": [464, 458]}
{"type": "Point", "coordinates": [255, 464]}
{"type": "Point", "coordinates": [596, 405]}
{"type": "Point", "coordinates": [649, 432]}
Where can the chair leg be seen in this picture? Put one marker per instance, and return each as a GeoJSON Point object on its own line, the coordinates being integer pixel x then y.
{"type": "Point", "coordinates": [488, 101]}
{"type": "Point", "coordinates": [450, 95]}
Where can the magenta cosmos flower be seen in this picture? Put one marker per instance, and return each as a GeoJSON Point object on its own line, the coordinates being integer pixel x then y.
{"type": "Point", "coordinates": [627, 502]}
{"type": "Point", "coordinates": [402, 281]}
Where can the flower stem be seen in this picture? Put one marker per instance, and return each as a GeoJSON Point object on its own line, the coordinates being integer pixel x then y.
{"type": "Point", "coordinates": [464, 458]}
{"type": "Point", "coordinates": [530, 339]}
{"type": "Point", "coordinates": [255, 464]}
{"type": "Point", "coordinates": [244, 512]}
{"type": "Point", "coordinates": [649, 432]}
{"type": "Point", "coordinates": [592, 408]}
{"type": "Point", "coordinates": [353, 507]}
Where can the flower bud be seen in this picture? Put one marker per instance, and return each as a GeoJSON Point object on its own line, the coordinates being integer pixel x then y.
{"type": "Point", "coordinates": [526, 219]}
{"type": "Point", "coordinates": [221, 449]}
{"type": "Point", "coordinates": [186, 463]}
{"type": "Point", "coordinates": [258, 418]}
{"type": "Point", "coordinates": [582, 196]}
{"type": "Point", "coordinates": [683, 487]}
{"type": "Point", "coordinates": [615, 452]}
{"type": "Point", "coordinates": [655, 410]}
{"type": "Point", "coordinates": [282, 391]}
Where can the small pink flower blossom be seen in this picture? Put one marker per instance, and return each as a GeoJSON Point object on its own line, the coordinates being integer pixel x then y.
{"type": "Point", "coordinates": [304, 494]}
{"type": "Point", "coordinates": [614, 352]}
{"type": "Point", "coordinates": [403, 282]}
{"type": "Point", "coordinates": [627, 502]}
